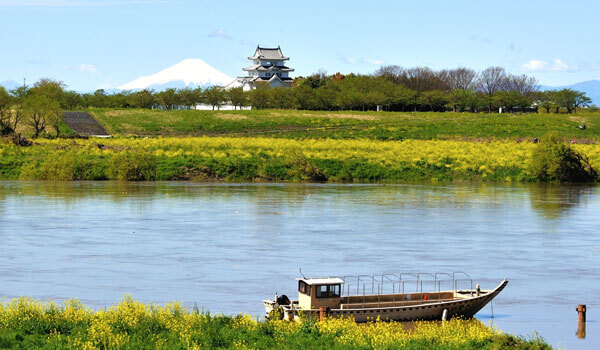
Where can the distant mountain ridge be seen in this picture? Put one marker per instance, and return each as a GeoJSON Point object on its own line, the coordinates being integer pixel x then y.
{"type": "Point", "coordinates": [590, 87]}
{"type": "Point", "coordinates": [191, 72]}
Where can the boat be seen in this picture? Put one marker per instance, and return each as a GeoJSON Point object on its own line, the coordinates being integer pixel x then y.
{"type": "Point", "coordinates": [388, 299]}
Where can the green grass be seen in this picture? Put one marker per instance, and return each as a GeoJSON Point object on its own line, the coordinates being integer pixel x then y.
{"type": "Point", "coordinates": [348, 124]}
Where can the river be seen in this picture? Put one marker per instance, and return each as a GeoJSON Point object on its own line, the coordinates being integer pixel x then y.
{"type": "Point", "coordinates": [225, 247]}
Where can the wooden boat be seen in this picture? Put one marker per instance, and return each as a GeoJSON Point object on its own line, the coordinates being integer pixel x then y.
{"type": "Point", "coordinates": [325, 295]}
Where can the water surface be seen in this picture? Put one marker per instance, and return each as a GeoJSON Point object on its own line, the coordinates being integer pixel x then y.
{"type": "Point", "coordinates": [225, 247]}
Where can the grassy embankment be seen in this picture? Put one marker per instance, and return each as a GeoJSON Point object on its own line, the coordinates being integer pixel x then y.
{"type": "Point", "coordinates": [29, 324]}
{"type": "Point", "coordinates": [300, 146]}
{"type": "Point", "coordinates": [295, 124]}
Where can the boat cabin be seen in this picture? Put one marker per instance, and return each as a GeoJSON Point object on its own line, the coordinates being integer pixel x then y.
{"type": "Point", "coordinates": [314, 293]}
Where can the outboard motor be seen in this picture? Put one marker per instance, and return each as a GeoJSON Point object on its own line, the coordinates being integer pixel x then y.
{"type": "Point", "coordinates": [283, 300]}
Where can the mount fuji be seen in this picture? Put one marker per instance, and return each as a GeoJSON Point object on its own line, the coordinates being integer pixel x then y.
{"type": "Point", "coordinates": [191, 72]}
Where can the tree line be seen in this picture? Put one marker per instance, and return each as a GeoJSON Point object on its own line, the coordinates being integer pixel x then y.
{"type": "Point", "coordinates": [392, 88]}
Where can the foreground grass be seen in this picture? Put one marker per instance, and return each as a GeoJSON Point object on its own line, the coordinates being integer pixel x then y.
{"type": "Point", "coordinates": [30, 324]}
{"type": "Point", "coordinates": [296, 124]}
{"type": "Point", "coordinates": [271, 159]}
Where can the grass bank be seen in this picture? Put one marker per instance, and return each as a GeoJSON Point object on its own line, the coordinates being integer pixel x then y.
{"type": "Point", "coordinates": [30, 324]}
{"type": "Point", "coordinates": [271, 159]}
{"type": "Point", "coordinates": [296, 124]}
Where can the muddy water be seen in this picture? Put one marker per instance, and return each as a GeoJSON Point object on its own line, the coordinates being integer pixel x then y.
{"type": "Point", "coordinates": [226, 247]}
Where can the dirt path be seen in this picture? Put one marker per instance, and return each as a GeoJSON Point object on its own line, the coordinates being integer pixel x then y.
{"type": "Point", "coordinates": [84, 124]}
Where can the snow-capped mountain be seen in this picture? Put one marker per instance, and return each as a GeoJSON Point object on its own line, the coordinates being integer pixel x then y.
{"type": "Point", "coordinates": [192, 72]}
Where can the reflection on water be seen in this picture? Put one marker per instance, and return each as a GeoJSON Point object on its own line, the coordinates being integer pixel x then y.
{"type": "Point", "coordinates": [228, 246]}
{"type": "Point", "coordinates": [553, 200]}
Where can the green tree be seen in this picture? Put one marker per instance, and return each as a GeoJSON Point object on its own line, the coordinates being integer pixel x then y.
{"type": "Point", "coordinates": [460, 99]}
{"type": "Point", "coordinates": [53, 89]}
{"type": "Point", "coordinates": [237, 96]}
{"type": "Point", "coordinates": [5, 112]}
{"type": "Point", "coordinates": [190, 97]}
{"type": "Point", "coordinates": [98, 99]}
{"type": "Point", "coordinates": [168, 98]}
{"type": "Point", "coordinates": [511, 99]}
{"type": "Point", "coordinates": [142, 99]}
{"type": "Point", "coordinates": [214, 96]}
{"type": "Point", "coordinates": [260, 96]}
{"type": "Point", "coordinates": [18, 96]}
{"type": "Point", "coordinates": [283, 97]}
{"type": "Point", "coordinates": [40, 109]}
{"type": "Point", "coordinates": [72, 100]}
{"type": "Point", "coordinates": [548, 100]}
{"type": "Point", "coordinates": [436, 100]}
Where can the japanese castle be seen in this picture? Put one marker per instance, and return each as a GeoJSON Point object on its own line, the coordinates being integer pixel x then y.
{"type": "Point", "coordinates": [268, 66]}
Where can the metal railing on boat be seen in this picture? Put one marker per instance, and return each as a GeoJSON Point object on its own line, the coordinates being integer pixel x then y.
{"type": "Point", "coordinates": [398, 282]}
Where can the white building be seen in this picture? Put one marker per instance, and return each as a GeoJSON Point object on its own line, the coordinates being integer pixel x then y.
{"type": "Point", "coordinates": [268, 66]}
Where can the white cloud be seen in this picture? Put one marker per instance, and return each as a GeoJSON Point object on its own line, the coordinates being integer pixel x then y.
{"type": "Point", "coordinates": [557, 65]}
{"type": "Point", "coordinates": [220, 33]}
{"type": "Point", "coordinates": [348, 59]}
{"type": "Point", "coordinates": [373, 61]}
{"type": "Point", "coordinates": [89, 68]}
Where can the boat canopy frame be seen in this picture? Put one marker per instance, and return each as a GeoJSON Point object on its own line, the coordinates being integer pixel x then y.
{"type": "Point", "coordinates": [398, 282]}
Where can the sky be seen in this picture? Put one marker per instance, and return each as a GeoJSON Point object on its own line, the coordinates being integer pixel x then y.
{"type": "Point", "coordinates": [92, 44]}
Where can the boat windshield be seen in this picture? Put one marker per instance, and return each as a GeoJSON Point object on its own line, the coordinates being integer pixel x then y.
{"type": "Point", "coordinates": [304, 287]}
{"type": "Point", "coordinates": [328, 291]}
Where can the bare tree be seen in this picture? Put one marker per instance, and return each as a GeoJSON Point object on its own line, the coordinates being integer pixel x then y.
{"type": "Point", "coordinates": [461, 78]}
{"type": "Point", "coordinates": [523, 84]}
{"type": "Point", "coordinates": [421, 79]}
{"type": "Point", "coordinates": [490, 81]}
{"type": "Point", "coordinates": [391, 72]}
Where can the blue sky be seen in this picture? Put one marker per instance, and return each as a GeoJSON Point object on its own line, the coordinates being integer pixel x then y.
{"type": "Point", "coordinates": [92, 44]}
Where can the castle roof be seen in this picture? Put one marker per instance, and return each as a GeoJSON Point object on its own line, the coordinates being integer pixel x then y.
{"type": "Point", "coordinates": [267, 53]}
{"type": "Point", "coordinates": [268, 67]}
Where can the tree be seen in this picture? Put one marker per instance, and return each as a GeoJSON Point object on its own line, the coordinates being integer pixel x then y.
{"type": "Point", "coordinates": [214, 96]}
{"type": "Point", "coordinates": [142, 99]}
{"type": "Point", "coordinates": [40, 110]}
{"type": "Point", "coordinates": [53, 89]}
{"type": "Point", "coordinates": [238, 97]}
{"type": "Point", "coordinates": [260, 97]}
{"type": "Point", "coordinates": [547, 100]}
{"type": "Point", "coordinates": [571, 99]}
{"type": "Point", "coordinates": [461, 78]}
{"type": "Point", "coordinates": [18, 97]}
{"type": "Point", "coordinates": [436, 100]}
{"type": "Point", "coordinates": [190, 97]}
{"type": "Point", "coordinates": [72, 100]}
{"type": "Point", "coordinates": [490, 81]}
{"type": "Point", "coordinates": [392, 73]}
{"type": "Point", "coordinates": [168, 98]}
{"type": "Point", "coordinates": [98, 99]}
{"type": "Point", "coordinates": [5, 112]}
{"type": "Point", "coordinates": [282, 97]}
{"type": "Point", "coordinates": [581, 100]}
{"type": "Point", "coordinates": [511, 99]}
{"type": "Point", "coordinates": [461, 99]}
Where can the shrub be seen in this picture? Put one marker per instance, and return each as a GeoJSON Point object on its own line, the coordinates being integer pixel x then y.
{"type": "Point", "coordinates": [132, 166]}
{"type": "Point", "coordinates": [554, 160]}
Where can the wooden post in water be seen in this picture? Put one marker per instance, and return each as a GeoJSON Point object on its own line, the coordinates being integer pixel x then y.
{"type": "Point", "coordinates": [581, 309]}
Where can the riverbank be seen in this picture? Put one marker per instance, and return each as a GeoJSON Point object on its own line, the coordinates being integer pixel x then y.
{"type": "Point", "coordinates": [300, 124]}
{"type": "Point", "coordinates": [26, 323]}
{"type": "Point", "coordinates": [271, 159]}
